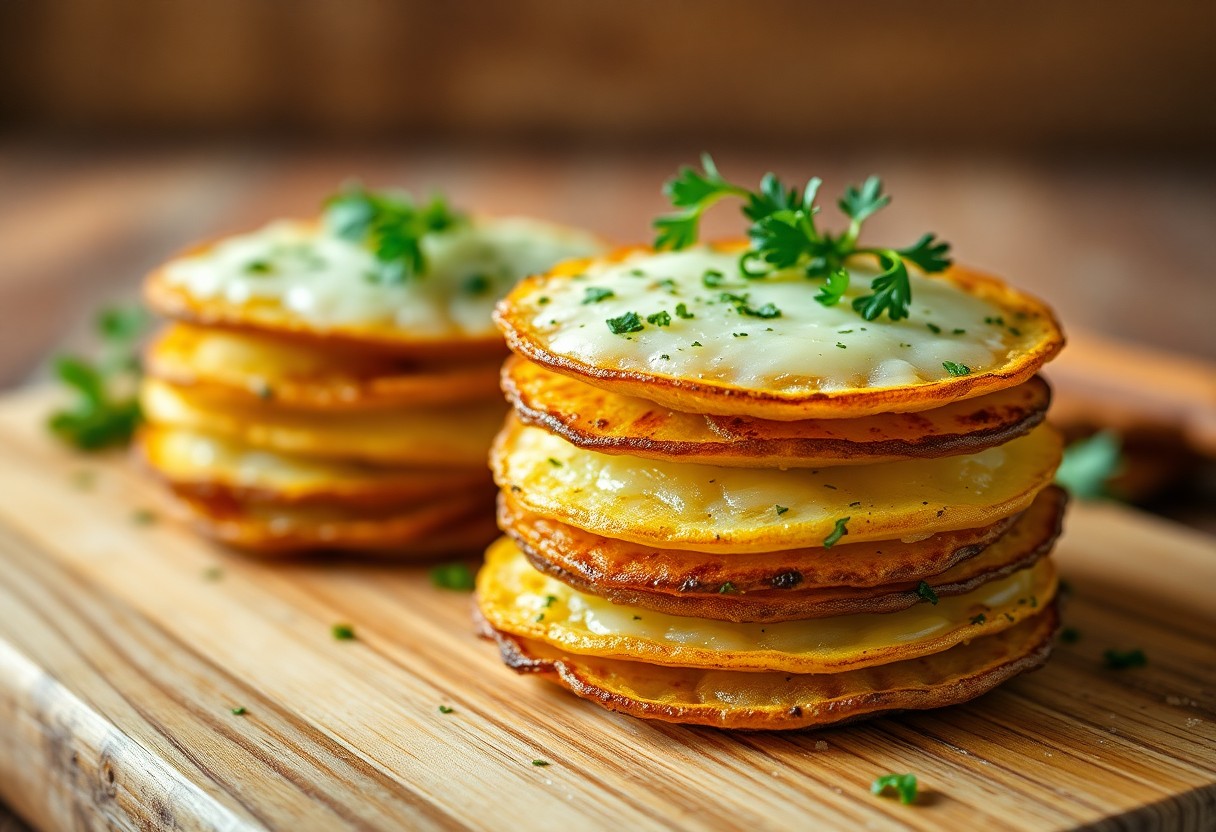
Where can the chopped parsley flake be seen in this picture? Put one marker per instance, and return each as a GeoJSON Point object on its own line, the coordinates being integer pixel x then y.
{"type": "Point", "coordinates": [766, 311]}
{"type": "Point", "coordinates": [926, 593]}
{"type": "Point", "coordinates": [739, 334]}
{"type": "Point", "coordinates": [543, 300]}
{"type": "Point", "coordinates": [904, 785]}
{"type": "Point", "coordinates": [781, 510]}
{"type": "Point", "coordinates": [1123, 659]}
{"type": "Point", "coordinates": [841, 346]}
{"type": "Point", "coordinates": [682, 311]}
{"type": "Point", "coordinates": [726, 588]}
{"type": "Point", "coordinates": [456, 576]}
{"type": "Point", "coordinates": [960, 332]}
{"type": "Point", "coordinates": [660, 318]}
{"type": "Point", "coordinates": [240, 710]}
{"type": "Point", "coordinates": [712, 278]}
{"type": "Point", "coordinates": [839, 531]}
{"type": "Point", "coordinates": [696, 344]}
{"type": "Point", "coordinates": [595, 294]}
{"type": "Point", "coordinates": [979, 619]}
{"type": "Point", "coordinates": [541, 763]}
{"type": "Point", "coordinates": [629, 322]}
{"type": "Point", "coordinates": [476, 284]}
{"type": "Point", "coordinates": [343, 632]}
{"type": "Point", "coordinates": [956, 369]}
{"type": "Point", "coordinates": [934, 328]}
{"type": "Point", "coordinates": [446, 709]}
{"type": "Point", "coordinates": [556, 463]}
{"type": "Point", "coordinates": [259, 267]}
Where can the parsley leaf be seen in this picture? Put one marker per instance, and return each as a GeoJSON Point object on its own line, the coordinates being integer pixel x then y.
{"type": "Point", "coordinates": [392, 225]}
{"type": "Point", "coordinates": [839, 531]}
{"type": "Point", "coordinates": [456, 576]}
{"type": "Point", "coordinates": [926, 593]}
{"type": "Point", "coordinates": [682, 311]}
{"type": "Point", "coordinates": [660, 318]}
{"type": "Point", "coordinates": [956, 369]}
{"type": "Point", "coordinates": [343, 632]}
{"type": "Point", "coordinates": [595, 294]}
{"type": "Point", "coordinates": [783, 235]}
{"type": "Point", "coordinates": [903, 785]}
{"type": "Point", "coordinates": [629, 322]}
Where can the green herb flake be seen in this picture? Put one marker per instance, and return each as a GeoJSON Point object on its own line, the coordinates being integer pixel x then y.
{"type": "Point", "coordinates": [240, 710]}
{"type": "Point", "coordinates": [768, 310]}
{"type": "Point", "coordinates": [446, 709]}
{"type": "Point", "coordinates": [959, 332]}
{"type": "Point", "coordinates": [903, 785]}
{"type": "Point", "coordinates": [543, 300]}
{"type": "Point", "coordinates": [726, 588]}
{"type": "Point", "coordinates": [476, 284]}
{"type": "Point", "coordinates": [781, 510]}
{"type": "Point", "coordinates": [934, 328]}
{"type": "Point", "coordinates": [979, 619]}
{"type": "Point", "coordinates": [839, 531]}
{"type": "Point", "coordinates": [259, 267]}
{"type": "Point", "coordinates": [926, 593]}
{"type": "Point", "coordinates": [682, 311]}
{"type": "Point", "coordinates": [956, 369]}
{"type": "Point", "coordinates": [343, 632]}
{"type": "Point", "coordinates": [556, 463]}
{"type": "Point", "coordinates": [541, 763]}
{"type": "Point", "coordinates": [713, 278]}
{"type": "Point", "coordinates": [660, 318]}
{"type": "Point", "coordinates": [1124, 659]}
{"type": "Point", "coordinates": [392, 226]}
{"type": "Point", "coordinates": [1089, 464]}
{"type": "Point", "coordinates": [455, 576]}
{"type": "Point", "coordinates": [629, 322]}
{"type": "Point", "coordinates": [595, 294]}
{"type": "Point", "coordinates": [695, 344]}
{"type": "Point", "coordinates": [841, 346]}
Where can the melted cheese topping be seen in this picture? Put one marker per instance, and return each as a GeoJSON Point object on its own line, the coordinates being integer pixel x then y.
{"type": "Point", "coordinates": [725, 509]}
{"type": "Point", "coordinates": [517, 599]}
{"type": "Point", "coordinates": [324, 279]}
{"type": "Point", "coordinates": [808, 348]}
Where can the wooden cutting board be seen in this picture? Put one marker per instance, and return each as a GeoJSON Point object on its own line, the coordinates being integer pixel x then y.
{"type": "Point", "coordinates": [125, 645]}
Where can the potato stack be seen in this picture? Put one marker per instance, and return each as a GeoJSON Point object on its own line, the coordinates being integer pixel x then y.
{"type": "Point", "coordinates": [727, 504]}
{"type": "Point", "coordinates": [332, 384]}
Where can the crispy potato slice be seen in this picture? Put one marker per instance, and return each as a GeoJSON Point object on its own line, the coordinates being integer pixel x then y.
{"type": "Point", "coordinates": [676, 505]}
{"type": "Point", "coordinates": [459, 524]}
{"type": "Point", "coordinates": [599, 420]}
{"type": "Point", "coordinates": [775, 586]}
{"type": "Point", "coordinates": [243, 368]}
{"type": "Point", "coordinates": [517, 599]}
{"type": "Point", "coordinates": [297, 279]}
{"type": "Point", "coordinates": [198, 464]}
{"type": "Point", "coordinates": [452, 437]}
{"type": "Point", "coordinates": [764, 348]}
{"type": "Point", "coordinates": [779, 701]}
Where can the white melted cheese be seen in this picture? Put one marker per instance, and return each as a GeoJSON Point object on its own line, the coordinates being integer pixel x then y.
{"type": "Point", "coordinates": [324, 280]}
{"type": "Point", "coordinates": [716, 508]}
{"type": "Point", "coordinates": [808, 348]}
{"type": "Point", "coordinates": [583, 623]}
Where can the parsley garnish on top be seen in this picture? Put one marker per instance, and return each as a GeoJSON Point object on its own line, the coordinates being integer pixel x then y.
{"type": "Point", "coordinates": [903, 784]}
{"type": "Point", "coordinates": [392, 225]}
{"type": "Point", "coordinates": [105, 411]}
{"type": "Point", "coordinates": [784, 236]}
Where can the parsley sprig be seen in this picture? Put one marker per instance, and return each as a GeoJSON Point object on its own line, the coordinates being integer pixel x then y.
{"type": "Point", "coordinates": [392, 225]}
{"type": "Point", "coordinates": [104, 411]}
{"type": "Point", "coordinates": [784, 235]}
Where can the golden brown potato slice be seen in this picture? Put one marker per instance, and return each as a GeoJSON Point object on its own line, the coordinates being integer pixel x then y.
{"type": "Point", "coordinates": [451, 437]}
{"type": "Point", "coordinates": [241, 368]}
{"type": "Point", "coordinates": [783, 586]}
{"type": "Point", "coordinates": [517, 599]}
{"type": "Point", "coordinates": [599, 420]}
{"type": "Point", "coordinates": [202, 465]}
{"type": "Point", "coordinates": [299, 279]}
{"type": "Point", "coordinates": [460, 524]}
{"type": "Point", "coordinates": [653, 325]}
{"type": "Point", "coordinates": [708, 508]}
{"type": "Point", "coordinates": [780, 701]}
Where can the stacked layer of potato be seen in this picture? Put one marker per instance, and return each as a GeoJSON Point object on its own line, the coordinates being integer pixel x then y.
{"type": "Point", "coordinates": [715, 513]}
{"type": "Point", "coordinates": [299, 403]}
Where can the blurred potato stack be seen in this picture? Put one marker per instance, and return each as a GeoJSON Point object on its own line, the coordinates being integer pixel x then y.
{"type": "Point", "coordinates": [332, 384]}
{"type": "Point", "coordinates": [726, 504]}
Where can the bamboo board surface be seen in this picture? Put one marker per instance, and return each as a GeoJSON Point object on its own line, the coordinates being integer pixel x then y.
{"type": "Point", "coordinates": [122, 654]}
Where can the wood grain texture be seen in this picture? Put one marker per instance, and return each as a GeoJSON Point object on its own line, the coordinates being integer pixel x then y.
{"type": "Point", "coordinates": [120, 662]}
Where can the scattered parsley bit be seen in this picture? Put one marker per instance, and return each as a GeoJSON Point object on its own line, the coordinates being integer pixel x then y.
{"type": "Point", "coordinates": [477, 284]}
{"type": "Point", "coordinates": [739, 334]}
{"type": "Point", "coordinates": [660, 318]}
{"type": "Point", "coordinates": [629, 322]}
{"type": "Point", "coordinates": [549, 600]}
{"type": "Point", "coordinates": [636, 273]}
{"type": "Point", "coordinates": [956, 369]}
{"type": "Point", "coordinates": [783, 235]}
{"type": "Point", "coordinates": [665, 357]}
{"type": "Point", "coordinates": [903, 785]}
{"type": "Point", "coordinates": [726, 588]}
{"type": "Point", "coordinates": [926, 593]}
{"type": "Point", "coordinates": [995, 321]}
{"type": "Point", "coordinates": [1089, 464]}
{"type": "Point", "coordinates": [446, 709]}
{"type": "Point", "coordinates": [781, 510]}
{"type": "Point", "coordinates": [99, 417]}
{"type": "Point", "coordinates": [960, 332]}
{"type": "Point", "coordinates": [934, 328]}
{"type": "Point", "coordinates": [682, 311]}
{"type": "Point", "coordinates": [841, 346]}
{"type": "Point", "coordinates": [839, 531]}
{"type": "Point", "coordinates": [455, 576]}
{"type": "Point", "coordinates": [979, 619]}
{"type": "Point", "coordinates": [595, 294]}
{"type": "Point", "coordinates": [392, 225]}
{"type": "Point", "coordinates": [1070, 635]}
{"type": "Point", "coordinates": [766, 311]}
{"type": "Point", "coordinates": [343, 632]}
{"type": "Point", "coordinates": [543, 300]}
{"type": "Point", "coordinates": [1123, 659]}
{"type": "Point", "coordinates": [541, 763]}
{"type": "Point", "coordinates": [240, 710]}
{"type": "Point", "coordinates": [712, 278]}
{"type": "Point", "coordinates": [144, 517]}
{"type": "Point", "coordinates": [556, 463]}
{"type": "Point", "coordinates": [259, 267]}
{"type": "Point", "coordinates": [540, 616]}
{"type": "Point", "coordinates": [695, 344]}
